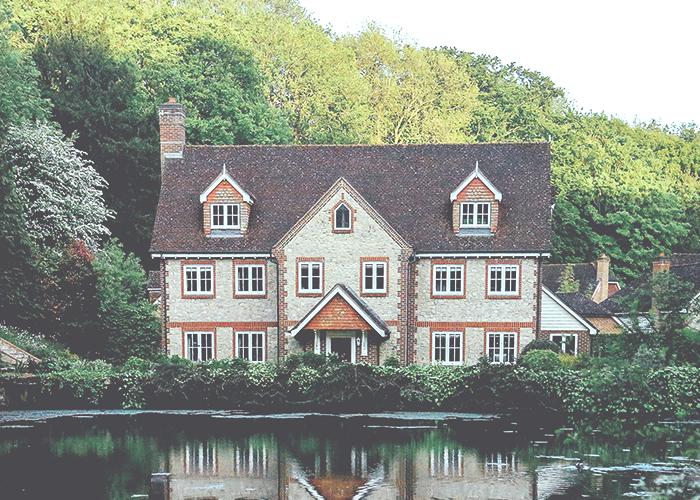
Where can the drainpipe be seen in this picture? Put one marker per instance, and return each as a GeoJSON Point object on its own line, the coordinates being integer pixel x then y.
{"type": "Point", "coordinates": [538, 312]}
{"type": "Point", "coordinates": [411, 260]}
{"type": "Point", "coordinates": [279, 327]}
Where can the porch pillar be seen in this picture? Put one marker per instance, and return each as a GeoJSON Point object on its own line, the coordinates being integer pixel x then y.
{"type": "Point", "coordinates": [317, 342]}
{"type": "Point", "coordinates": [364, 342]}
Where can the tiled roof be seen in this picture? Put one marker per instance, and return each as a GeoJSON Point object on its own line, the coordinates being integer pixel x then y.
{"type": "Point", "coordinates": [409, 186]}
{"type": "Point", "coordinates": [583, 305]}
{"type": "Point", "coordinates": [684, 272]}
{"type": "Point", "coordinates": [585, 273]}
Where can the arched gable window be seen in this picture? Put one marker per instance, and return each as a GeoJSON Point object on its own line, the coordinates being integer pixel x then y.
{"type": "Point", "coordinates": [342, 218]}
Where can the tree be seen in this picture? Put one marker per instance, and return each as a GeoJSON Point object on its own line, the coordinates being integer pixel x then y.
{"type": "Point", "coordinates": [567, 282]}
{"type": "Point", "coordinates": [59, 190]}
{"type": "Point", "coordinates": [127, 323]}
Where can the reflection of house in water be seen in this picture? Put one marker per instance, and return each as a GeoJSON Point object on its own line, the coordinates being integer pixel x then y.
{"type": "Point", "coordinates": [330, 469]}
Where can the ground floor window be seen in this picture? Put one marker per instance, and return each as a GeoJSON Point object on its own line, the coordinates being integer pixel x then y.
{"type": "Point", "coordinates": [501, 347]}
{"type": "Point", "coordinates": [199, 346]}
{"type": "Point", "coordinates": [447, 347]}
{"type": "Point", "coordinates": [567, 341]}
{"type": "Point", "coordinates": [251, 346]}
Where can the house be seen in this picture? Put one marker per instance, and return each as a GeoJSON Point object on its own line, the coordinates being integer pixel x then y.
{"type": "Point", "coordinates": [424, 253]}
{"type": "Point", "coordinates": [594, 278]}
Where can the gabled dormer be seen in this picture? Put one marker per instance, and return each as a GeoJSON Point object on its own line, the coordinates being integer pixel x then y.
{"type": "Point", "coordinates": [226, 207]}
{"type": "Point", "coordinates": [475, 206]}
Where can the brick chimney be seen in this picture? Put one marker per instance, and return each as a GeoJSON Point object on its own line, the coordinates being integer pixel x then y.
{"type": "Point", "coordinates": [603, 276]}
{"type": "Point", "coordinates": [661, 264]}
{"type": "Point", "coordinates": [171, 116]}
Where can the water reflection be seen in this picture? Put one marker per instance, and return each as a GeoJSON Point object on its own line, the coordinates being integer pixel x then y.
{"type": "Point", "coordinates": [235, 461]}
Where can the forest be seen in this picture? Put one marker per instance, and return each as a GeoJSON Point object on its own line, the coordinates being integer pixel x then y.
{"type": "Point", "coordinates": [80, 82]}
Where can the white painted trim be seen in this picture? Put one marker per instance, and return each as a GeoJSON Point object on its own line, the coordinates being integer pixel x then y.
{"type": "Point", "coordinates": [465, 255]}
{"type": "Point", "coordinates": [172, 156]}
{"type": "Point", "coordinates": [225, 216]}
{"type": "Point", "coordinates": [476, 174]}
{"type": "Point", "coordinates": [321, 277]}
{"type": "Point", "coordinates": [461, 348]}
{"type": "Point", "coordinates": [250, 346]}
{"type": "Point", "coordinates": [337, 290]}
{"type": "Point", "coordinates": [374, 264]}
{"type": "Point", "coordinates": [224, 176]}
{"type": "Point", "coordinates": [364, 343]}
{"type": "Point", "coordinates": [317, 342]}
{"type": "Point", "coordinates": [448, 293]}
{"type": "Point", "coordinates": [591, 329]}
{"type": "Point", "coordinates": [209, 256]}
{"type": "Point", "coordinates": [503, 279]}
{"type": "Point", "coordinates": [250, 279]}
{"type": "Point", "coordinates": [475, 225]}
{"type": "Point", "coordinates": [575, 335]}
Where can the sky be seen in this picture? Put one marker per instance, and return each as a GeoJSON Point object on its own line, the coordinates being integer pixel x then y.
{"type": "Point", "coordinates": [631, 59]}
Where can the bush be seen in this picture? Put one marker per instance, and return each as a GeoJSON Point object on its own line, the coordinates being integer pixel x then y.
{"type": "Point", "coordinates": [36, 345]}
{"type": "Point", "coordinates": [540, 345]}
{"type": "Point", "coordinates": [542, 361]}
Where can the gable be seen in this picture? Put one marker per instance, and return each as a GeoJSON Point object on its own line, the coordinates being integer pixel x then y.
{"type": "Point", "coordinates": [477, 184]}
{"type": "Point", "coordinates": [558, 317]}
{"type": "Point", "coordinates": [338, 315]}
{"type": "Point", "coordinates": [221, 181]}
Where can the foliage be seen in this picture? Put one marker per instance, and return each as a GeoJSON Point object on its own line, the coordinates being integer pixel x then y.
{"type": "Point", "coordinates": [126, 324]}
{"type": "Point", "coordinates": [540, 344]}
{"type": "Point", "coordinates": [567, 282]}
{"type": "Point", "coordinates": [34, 344]}
{"type": "Point", "coordinates": [543, 360]}
{"type": "Point", "coordinates": [59, 190]}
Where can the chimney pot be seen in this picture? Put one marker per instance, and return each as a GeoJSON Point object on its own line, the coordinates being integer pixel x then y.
{"type": "Point", "coordinates": [171, 116]}
{"type": "Point", "coordinates": [172, 99]}
{"type": "Point", "coordinates": [661, 264]}
{"type": "Point", "coordinates": [603, 276]}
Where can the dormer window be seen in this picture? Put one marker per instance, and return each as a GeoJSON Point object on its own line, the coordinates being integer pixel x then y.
{"type": "Point", "coordinates": [476, 214]}
{"type": "Point", "coordinates": [225, 216]}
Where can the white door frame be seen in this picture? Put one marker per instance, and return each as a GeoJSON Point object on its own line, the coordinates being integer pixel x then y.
{"type": "Point", "coordinates": [342, 334]}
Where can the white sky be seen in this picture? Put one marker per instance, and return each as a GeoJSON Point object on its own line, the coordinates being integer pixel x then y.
{"type": "Point", "coordinates": [621, 57]}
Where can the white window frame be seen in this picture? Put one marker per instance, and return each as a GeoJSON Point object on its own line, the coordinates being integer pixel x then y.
{"type": "Point", "coordinates": [335, 218]}
{"type": "Point", "coordinates": [249, 280]}
{"type": "Point", "coordinates": [563, 341]}
{"type": "Point", "coordinates": [228, 212]}
{"type": "Point", "coordinates": [449, 268]}
{"type": "Point", "coordinates": [199, 348]}
{"type": "Point", "coordinates": [502, 280]}
{"type": "Point", "coordinates": [246, 351]}
{"type": "Point", "coordinates": [502, 347]}
{"type": "Point", "coordinates": [200, 280]}
{"type": "Point", "coordinates": [310, 265]}
{"type": "Point", "coordinates": [374, 265]}
{"type": "Point", "coordinates": [475, 205]}
{"type": "Point", "coordinates": [336, 334]}
{"type": "Point", "coordinates": [447, 348]}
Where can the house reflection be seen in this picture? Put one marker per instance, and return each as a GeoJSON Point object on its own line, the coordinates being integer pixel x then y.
{"type": "Point", "coordinates": [261, 467]}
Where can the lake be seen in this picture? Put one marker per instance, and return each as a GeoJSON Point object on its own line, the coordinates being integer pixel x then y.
{"type": "Point", "coordinates": [230, 456]}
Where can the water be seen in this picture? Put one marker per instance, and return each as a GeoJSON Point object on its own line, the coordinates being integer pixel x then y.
{"type": "Point", "coordinates": [213, 456]}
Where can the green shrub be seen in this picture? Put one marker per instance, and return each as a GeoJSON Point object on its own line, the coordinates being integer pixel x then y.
{"type": "Point", "coordinates": [542, 360]}
{"type": "Point", "coordinates": [540, 345]}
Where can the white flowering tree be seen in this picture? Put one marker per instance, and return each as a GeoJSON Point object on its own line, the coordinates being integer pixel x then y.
{"type": "Point", "coordinates": [60, 191]}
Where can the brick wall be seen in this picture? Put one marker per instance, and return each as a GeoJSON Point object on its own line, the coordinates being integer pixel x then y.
{"type": "Point", "coordinates": [226, 193]}
{"type": "Point", "coordinates": [475, 191]}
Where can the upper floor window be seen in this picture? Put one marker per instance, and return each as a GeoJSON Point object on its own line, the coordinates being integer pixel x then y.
{"type": "Point", "coordinates": [225, 216]}
{"type": "Point", "coordinates": [250, 279]}
{"type": "Point", "coordinates": [448, 279]}
{"type": "Point", "coordinates": [447, 347]}
{"type": "Point", "coordinates": [374, 277]}
{"type": "Point", "coordinates": [475, 214]}
{"type": "Point", "coordinates": [199, 279]}
{"type": "Point", "coordinates": [503, 279]}
{"type": "Point", "coordinates": [250, 346]}
{"type": "Point", "coordinates": [199, 346]}
{"type": "Point", "coordinates": [501, 347]}
{"type": "Point", "coordinates": [310, 277]}
{"type": "Point", "coordinates": [342, 218]}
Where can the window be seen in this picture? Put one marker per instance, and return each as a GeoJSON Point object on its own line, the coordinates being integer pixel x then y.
{"type": "Point", "coordinates": [310, 277]}
{"type": "Point", "coordinates": [199, 346]}
{"type": "Point", "coordinates": [250, 346]}
{"type": "Point", "coordinates": [250, 279]}
{"type": "Point", "coordinates": [199, 279]}
{"type": "Point", "coordinates": [374, 277]}
{"type": "Point", "coordinates": [567, 342]}
{"type": "Point", "coordinates": [503, 279]}
{"type": "Point", "coordinates": [447, 347]}
{"type": "Point", "coordinates": [501, 347]}
{"type": "Point", "coordinates": [448, 279]}
{"type": "Point", "coordinates": [342, 218]}
{"type": "Point", "coordinates": [225, 216]}
{"type": "Point", "coordinates": [475, 214]}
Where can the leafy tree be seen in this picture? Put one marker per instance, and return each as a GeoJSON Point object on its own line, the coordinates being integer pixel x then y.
{"type": "Point", "coordinates": [127, 323]}
{"type": "Point", "coordinates": [59, 190]}
{"type": "Point", "coordinates": [567, 282]}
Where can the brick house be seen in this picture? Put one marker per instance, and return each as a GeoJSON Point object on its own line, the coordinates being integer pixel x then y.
{"type": "Point", "coordinates": [426, 253]}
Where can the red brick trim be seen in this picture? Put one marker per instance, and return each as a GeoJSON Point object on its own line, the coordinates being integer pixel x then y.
{"type": "Point", "coordinates": [457, 325]}
{"type": "Point", "coordinates": [184, 263]}
{"type": "Point", "coordinates": [239, 325]}
{"type": "Point", "coordinates": [248, 262]}
{"type": "Point", "coordinates": [212, 330]}
{"type": "Point", "coordinates": [392, 322]}
{"type": "Point", "coordinates": [458, 262]}
{"type": "Point", "coordinates": [362, 276]}
{"type": "Point", "coordinates": [322, 260]}
{"type": "Point", "coordinates": [502, 262]}
{"type": "Point", "coordinates": [353, 217]}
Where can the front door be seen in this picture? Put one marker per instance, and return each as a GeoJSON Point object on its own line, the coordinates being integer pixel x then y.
{"type": "Point", "coordinates": [341, 343]}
